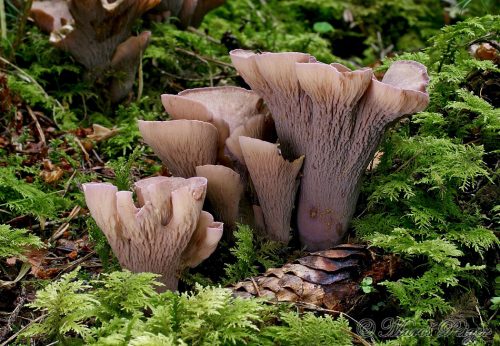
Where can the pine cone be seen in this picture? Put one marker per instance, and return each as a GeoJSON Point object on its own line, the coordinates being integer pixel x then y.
{"type": "Point", "coordinates": [327, 279]}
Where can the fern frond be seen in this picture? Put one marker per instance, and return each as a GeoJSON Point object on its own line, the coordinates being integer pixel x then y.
{"type": "Point", "coordinates": [14, 242]}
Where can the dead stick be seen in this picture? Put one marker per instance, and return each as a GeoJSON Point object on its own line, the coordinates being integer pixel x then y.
{"type": "Point", "coordinates": [204, 58]}
{"type": "Point", "coordinates": [37, 124]}
{"type": "Point", "coordinates": [68, 183]}
{"type": "Point", "coordinates": [202, 34]}
{"type": "Point", "coordinates": [72, 265]}
{"type": "Point", "coordinates": [85, 153]}
{"type": "Point", "coordinates": [64, 227]}
{"type": "Point", "coordinates": [256, 287]}
{"type": "Point", "coordinates": [13, 337]}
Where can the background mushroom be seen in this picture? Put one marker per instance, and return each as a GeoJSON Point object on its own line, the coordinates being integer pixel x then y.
{"type": "Point", "coordinates": [336, 118]}
{"type": "Point", "coordinates": [168, 231]}
{"type": "Point", "coordinates": [97, 33]}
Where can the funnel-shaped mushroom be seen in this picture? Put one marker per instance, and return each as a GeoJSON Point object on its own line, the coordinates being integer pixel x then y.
{"type": "Point", "coordinates": [166, 233]}
{"type": "Point", "coordinates": [224, 191]}
{"type": "Point", "coordinates": [96, 33]}
{"type": "Point", "coordinates": [227, 108]}
{"type": "Point", "coordinates": [181, 144]}
{"type": "Point", "coordinates": [336, 118]}
{"type": "Point", "coordinates": [275, 181]}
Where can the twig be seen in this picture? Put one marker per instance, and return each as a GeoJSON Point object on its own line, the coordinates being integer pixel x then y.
{"type": "Point", "coordinates": [3, 21]}
{"type": "Point", "coordinates": [410, 160]}
{"type": "Point", "coordinates": [75, 263]}
{"type": "Point", "coordinates": [202, 34]}
{"type": "Point", "coordinates": [13, 337]}
{"type": "Point", "coordinates": [68, 183]}
{"type": "Point", "coordinates": [13, 315]}
{"type": "Point", "coordinates": [97, 157]}
{"type": "Point", "coordinates": [256, 287]}
{"type": "Point", "coordinates": [204, 58]}
{"type": "Point", "coordinates": [140, 76]}
{"type": "Point", "coordinates": [493, 315]}
{"type": "Point", "coordinates": [24, 270]}
{"type": "Point", "coordinates": [37, 124]}
{"type": "Point", "coordinates": [64, 227]}
{"type": "Point", "coordinates": [85, 153]}
{"type": "Point", "coordinates": [200, 79]}
{"type": "Point", "coordinates": [479, 313]}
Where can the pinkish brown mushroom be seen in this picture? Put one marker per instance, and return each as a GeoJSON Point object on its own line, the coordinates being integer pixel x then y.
{"type": "Point", "coordinates": [275, 181]}
{"type": "Point", "coordinates": [229, 109]}
{"type": "Point", "coordinates": [181, 144]}
{"type": "Point", "coordinates": [336, 118]}
{"type": "Point", "coordinates": [97, 33]}
{"type": "Point", "coordinates": [224, 191]}
{"type": "Point", "coordinates": [166, 233]}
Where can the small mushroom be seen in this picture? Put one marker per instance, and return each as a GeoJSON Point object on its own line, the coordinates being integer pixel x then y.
{"type": "Point", "coordinates": [181, 144]}
{"type": "Point", "coordinates": [275, 181]}
{"type": "Point", "coordinates": [224, 191]}
{"type": "Point", "coordinates": [166, 233]}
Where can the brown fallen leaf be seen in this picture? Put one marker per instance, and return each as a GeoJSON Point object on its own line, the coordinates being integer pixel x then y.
{"type": "Point", "coordinates": [102, 133]}
{"type": "Point", "coordinates": [72, 255]}
{"type": "Point", "coordinates": [37, 259]}
{"type": "Point", "coordinates": [51, 173]}
{"type": "Point", "coordinates": [52, 176]}
{"type": "Point", "coordinates": [48, 273]}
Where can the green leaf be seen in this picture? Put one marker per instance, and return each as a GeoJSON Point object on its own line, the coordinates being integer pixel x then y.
{"type": "Point", "coordinates": [323, 27]}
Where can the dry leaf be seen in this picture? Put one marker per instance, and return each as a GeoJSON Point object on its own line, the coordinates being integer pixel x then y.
{"type": "Point", "coordinates": [102, 133]}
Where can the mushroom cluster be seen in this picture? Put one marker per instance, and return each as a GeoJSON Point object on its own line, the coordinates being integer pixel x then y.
{"type": "Point", "coordinates": [218, 133]}
{"type": "Point", "coordinates": [328, 118]}
{"type": "Point", "coordinates": [165, 234]}
{"type": "Point", "coordinates": [336, 118]}
{"type": "Point", "coordinates": [97, 33]}
{"type": "Point", "coordinates": [221, 141]}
